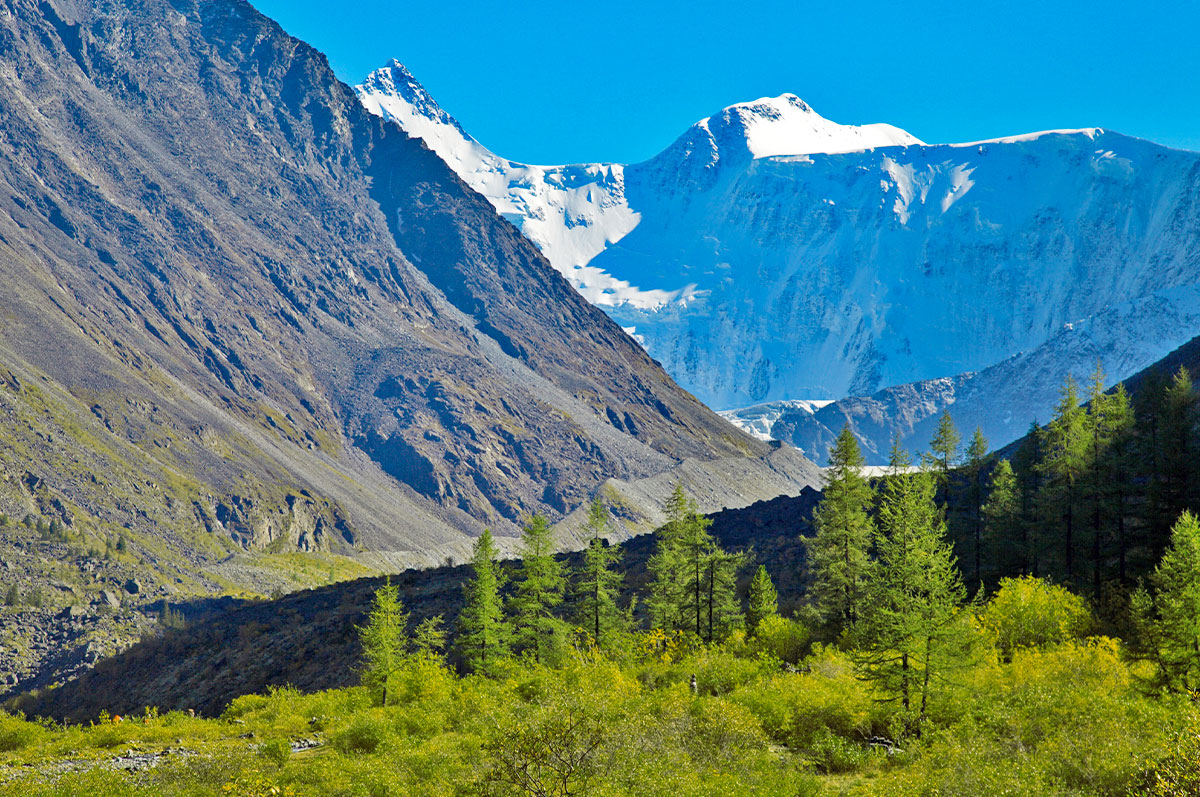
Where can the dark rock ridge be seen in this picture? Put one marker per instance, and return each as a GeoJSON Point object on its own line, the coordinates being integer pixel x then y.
{"type": "Point", "coordinates": [237, 311]}
{"type": "Point", "coordinates": [308, 639]}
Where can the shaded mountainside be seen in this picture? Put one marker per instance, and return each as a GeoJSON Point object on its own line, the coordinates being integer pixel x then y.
{"type": "Point", "coordinates": [240, 312]}
{"type": "Point", "coordinates": [308, 639]}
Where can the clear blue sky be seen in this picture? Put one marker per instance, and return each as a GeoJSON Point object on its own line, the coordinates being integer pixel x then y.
{"type": "Point", "coordinates": [554, 81]}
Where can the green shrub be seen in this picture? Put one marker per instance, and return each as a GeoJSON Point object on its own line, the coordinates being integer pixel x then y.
{"type": "Point", "coordinates": [277, 751]}
{"type": "Point", "coordinates": [1028, 612]}
{"type": "Point", "coordinates": [786, 640]}
{"type": "Point", "coordinates": [16, 733]}
{"type": "Point", "coordinates": [832, 754]}
{"type": "Point", "coordinates": [365, 734]}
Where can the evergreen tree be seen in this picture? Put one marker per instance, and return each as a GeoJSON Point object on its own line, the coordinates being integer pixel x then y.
{"type": "Point", "coordinates": [1110, 427]}
{"type": "Point", "coordinates": [1065, 443]}
{"type": "Point", "coordinates": [976, 452]}
{"type": "Point", "coordinates": [668, 590]}
{"type": "Point", "coordinates": [1002, 520]}
{"type": "Point", "coordinates": [1169, 620]}
{"type": "Point", "coordinates": [598, 583]}
{"type": "Point", "coordinates": [692, 578]}
{"type": "Point", "coordinates": [762, 601]}
{"type": "Point", "coordinates": [384, 640]}
{"type": "Point", "coordinates": [915, 590]}
{"type": "Point", "coordinates": [538, 590]}
{"type": "Point", "coordinates": [1177, 427]}
{"type": "Point", "coordinates": [838, 554]}
{"type": "Point", "coordinates": [483, 634]}
{"type": "Point", "coordinates": [430, 638]}
{"type": "Point", "coordinates": [1120, 467]}
{"type": "Point", "coordinates": [943, 449]}
{"type": "Point", "coordinates": [13, 596]}
{"type": "Point", "coordinates": [1027, 468]}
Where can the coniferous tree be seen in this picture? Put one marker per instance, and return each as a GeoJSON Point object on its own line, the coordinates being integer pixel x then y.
{"type": "Point", "coordinates": [976, 452]}
{"type": "Point", "coordinates": [692, 578]}
{"type": "Point", "coordinates": [1065, 443]}
{"type": "Point", "coordinates": [1002, 520]}
{"type": "Point", "coordinates": [1110, 427]}
{"type": "Point", "coordinates": [1095, 474]}
{"type": "Point", "coordinates": [384, 640]}
{"type": "Point", "coordinates": [538, 590]}
{"type": "Point", "coordinates": [762, 601]}
{"type": "Point", "coordinates": [838, 554]}
{"type": "Point", "coordinates": [483, 634]}
{"type": "Point", "coordinates": [1026, 465]}
{"type": "Point", "coordinates": [1119, 466]}
{"type": "Point", "coordinates": [598, 583]}
{"type": "Point", "coordinates": [1169, 619]}
{"type": "Point", "coordinates": [915, 590]}
{"type": "Point", "coordinates": [429, 638]}
{"type": "Point", "coordinates": [1177, 431]}
{"type": "Point", "coordinates": [944, 448]}
{"type": "Point", "coordinates": [667, 587]}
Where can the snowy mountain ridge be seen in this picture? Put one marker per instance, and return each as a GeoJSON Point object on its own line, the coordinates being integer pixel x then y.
{"type": "Point", "coordinates": [769, 254]}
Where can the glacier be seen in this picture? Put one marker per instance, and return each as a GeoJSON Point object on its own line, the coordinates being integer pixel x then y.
{"type": "Point", "coordinates": [770, 256]}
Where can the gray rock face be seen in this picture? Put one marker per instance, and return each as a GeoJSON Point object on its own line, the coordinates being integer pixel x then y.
{"type": "Point", "coordinates": [238, 305]}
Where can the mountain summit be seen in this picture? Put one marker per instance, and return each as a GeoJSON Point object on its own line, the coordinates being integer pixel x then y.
{"type": "Point", "coordinates": [769, 254]}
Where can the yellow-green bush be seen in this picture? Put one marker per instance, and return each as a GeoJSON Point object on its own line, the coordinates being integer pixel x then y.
{"type": "Point", "coordinates": [1029, 612]}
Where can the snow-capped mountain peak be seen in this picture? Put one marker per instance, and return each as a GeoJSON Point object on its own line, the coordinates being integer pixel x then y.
{"type": "Point", "coordinates": [786, 125]}
{"type": "Point", "coordinates": [770, 253]}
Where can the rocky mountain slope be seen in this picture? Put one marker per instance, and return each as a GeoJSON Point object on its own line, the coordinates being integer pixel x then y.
{"type": "Point", "coordinates": [240, 313]}
{"type": "Point", "coordinates": [770, 254]}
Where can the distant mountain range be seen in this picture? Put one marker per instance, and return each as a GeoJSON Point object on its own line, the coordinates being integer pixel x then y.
{"type": "Point", "coordinates": [771, 255]}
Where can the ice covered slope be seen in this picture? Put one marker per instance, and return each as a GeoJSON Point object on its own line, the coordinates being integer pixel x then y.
{"type": "Point", "coordinates": [770, 254]}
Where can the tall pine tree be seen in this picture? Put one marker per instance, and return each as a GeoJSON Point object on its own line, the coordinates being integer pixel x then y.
{"type": "Point", "coordinates": [762, 601]}
{"type": "Point", "coordinates": [944, 448]}
{"type": "Point", "coordinates": [976, 452]}
{"type": "Point", "coordinates": [692, 578]}
{"type": "Point", "coordinates": [1065, 443]}
{"type": "Point", "coordinates": [1005, 532]}
{"type": "Point", "coordinates": [915, 591]}
{"type": "Point", "coordinates": [838, 554]}
{"type": "Point", "coordinates": [483, 633]}
{"type": "Point", "coordinates": [598, 583]}
{"type": "Point", "coordinates": [537, 591]}
{"type": "Point", "coordinates": [1169, 620]}
{"type": "Point", "coordinates": [384, 640]}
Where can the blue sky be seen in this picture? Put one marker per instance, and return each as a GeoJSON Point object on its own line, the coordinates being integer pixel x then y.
{"type": "Point", "coordinates": [570, 81]}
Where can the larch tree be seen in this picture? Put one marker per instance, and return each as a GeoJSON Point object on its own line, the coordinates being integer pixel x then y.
{"type": "Point", "coordinates": [1065, 443]}
{"type": "Point", "coordinates": [839, 551]}
{"type": "Point", "coordinates": [1169, 618]}
{"type": "Point", "coordinates": [944, 449]}
{"type": "Point", "coordinates": [483, 634]}
{"type": "Point", "coordinates": [1001, 512]}
{"type": "Point", "coordinates": [977, 450]}
{"type": "Point", "coordinates": [1177, 437]}
{"type": "Point", "coordinates": [538, 590]}
{"type": "Point", "coordinates": [761, 602]}
{"type": "Point", "coordinates": [693, 580]}
{"type": "Point", "coordinates": [384, 640]}
{"type": "Point", "coordinates": [915, 591]}
{"type": "Point", "coordinates": [598, 582]}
